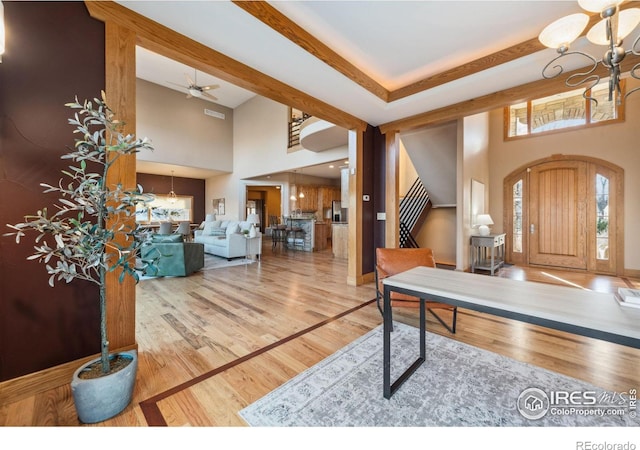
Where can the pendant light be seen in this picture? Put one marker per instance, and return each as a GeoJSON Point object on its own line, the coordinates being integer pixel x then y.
{"type": "Point", "coordinates": [172, 195]}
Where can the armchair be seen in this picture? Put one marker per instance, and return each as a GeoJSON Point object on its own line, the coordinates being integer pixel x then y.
{"type": "Point", "coordinates": [172, 257]}
{"type": "Point", "coordinates": [390, 261]}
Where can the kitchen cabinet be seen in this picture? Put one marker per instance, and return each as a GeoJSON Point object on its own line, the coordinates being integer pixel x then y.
{"type": "Point", "coordinates": [340, 240]}
{"type": "Point", "coordinates": [310, 200]}
{"type": "Point", "coordinates": [321, 236]}
{"type": "Point", "coordinates": [329, 194]}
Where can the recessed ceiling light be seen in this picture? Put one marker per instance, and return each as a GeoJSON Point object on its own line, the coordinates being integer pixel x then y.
{"type": "Point", "coordinates": [331, 166]}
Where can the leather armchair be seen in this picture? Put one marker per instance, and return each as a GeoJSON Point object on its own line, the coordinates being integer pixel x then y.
{"type": "Point", "coordinates": [390, 261]}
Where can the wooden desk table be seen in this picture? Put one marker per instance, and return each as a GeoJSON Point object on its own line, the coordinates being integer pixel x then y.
{"type": "Point", "coordinates": [587, 313]}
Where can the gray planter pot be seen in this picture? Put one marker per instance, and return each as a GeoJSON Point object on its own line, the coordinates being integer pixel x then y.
{"type": "Point", "coordinates": [101, 398]}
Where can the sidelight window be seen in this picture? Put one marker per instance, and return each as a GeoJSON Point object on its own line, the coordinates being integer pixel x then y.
{"type": "Point", "coordinates": [517, 216]}
{"type": "Point", "coordinates": [602, 217]}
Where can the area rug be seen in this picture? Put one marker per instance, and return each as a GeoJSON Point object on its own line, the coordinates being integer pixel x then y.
{"type": "Point", "coordinates": [458, 385]}
{"type": "Point", "coordinates": [211, 262]}
{"type": "Point", "coordinates": [216, 262]}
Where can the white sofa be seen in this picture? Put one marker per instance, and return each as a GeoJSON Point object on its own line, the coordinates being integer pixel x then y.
{"type": "Point", "coordinates": [225, 238]}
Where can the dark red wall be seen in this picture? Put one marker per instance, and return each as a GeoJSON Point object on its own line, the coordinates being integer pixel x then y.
{"type": "Point", "coordinates": [379, 187]}
{"type": "Point", "coordinates": [161, 185]}
{"type": "Point", "coordinates": [54, 52]}
{"type": "Point", "coordinates": [369, 182]}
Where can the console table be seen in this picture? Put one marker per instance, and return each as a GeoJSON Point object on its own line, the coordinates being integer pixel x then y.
{"type": "Point", "coordinates": [586, 313]}
{"type": "Point", "coordinates": [487, 252]}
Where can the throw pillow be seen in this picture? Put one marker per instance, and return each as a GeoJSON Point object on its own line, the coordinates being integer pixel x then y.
{"type": "Point", "coordinates": [217, 231]}
{"type": "Point", "coordinates": [208, 226]}
{"type": "Point", "coordinates": [233, 228]}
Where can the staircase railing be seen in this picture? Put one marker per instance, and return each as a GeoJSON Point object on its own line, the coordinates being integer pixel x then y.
{"type": "Point", "coordinates": [412, 211]}
{"type": "Point", "coordinates": [294, 129]}
{"type": "Point", "coordinates": [406, 238]}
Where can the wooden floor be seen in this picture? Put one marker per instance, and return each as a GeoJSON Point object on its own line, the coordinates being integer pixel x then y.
{"type": "Point", "coordinates": [212, 343]}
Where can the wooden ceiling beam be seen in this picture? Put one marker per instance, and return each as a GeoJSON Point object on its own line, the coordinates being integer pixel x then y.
{"type": "Point", "coordinates": [279, 22]}
{"type": "Point", "coordinates": [486, 62]}
{"type": "Point", "coordinates": [535, 89]}
{"type": "Point", "coordinates": [270, 16]}
{"type": "Point", "coordinates": [164, 41]}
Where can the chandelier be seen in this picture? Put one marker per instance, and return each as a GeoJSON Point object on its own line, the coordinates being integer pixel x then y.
{"type": "Point", "coordinates": [610, 31]}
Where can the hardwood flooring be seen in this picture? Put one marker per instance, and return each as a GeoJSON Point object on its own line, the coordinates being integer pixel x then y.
{"type": "Point", "coordinates": [214, 342]}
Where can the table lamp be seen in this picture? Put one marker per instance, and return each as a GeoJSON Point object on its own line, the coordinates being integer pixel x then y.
{"type": "Point", "coordinates": [253, 219]}
{"type": "Point", "coordinates": [483, 221]}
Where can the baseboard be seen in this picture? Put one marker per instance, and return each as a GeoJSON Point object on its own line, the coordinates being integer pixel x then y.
{"type": "Point", "coordinates": [19, 388]}
{"type": "Point", "coordinates": [632, 273]}
{"type": "Point", "coordinates": [362, 279]}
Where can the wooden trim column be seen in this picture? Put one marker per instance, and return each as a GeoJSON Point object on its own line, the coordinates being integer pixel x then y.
{"type": "Point", "coordinates": [392, 182]}
{"type": "Point", "coordinates": [354, 252]}
{"type": "Point", "coordinates": [120, 89]}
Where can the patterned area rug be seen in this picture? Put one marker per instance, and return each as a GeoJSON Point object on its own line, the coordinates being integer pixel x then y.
{"type": "Point", "coordinates": [458, 385]}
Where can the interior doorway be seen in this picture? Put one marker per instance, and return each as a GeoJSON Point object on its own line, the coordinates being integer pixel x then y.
{"type": "Point", "coordinates": [266, 201]}
{"type": "Point", "coordinates": [566, 212]}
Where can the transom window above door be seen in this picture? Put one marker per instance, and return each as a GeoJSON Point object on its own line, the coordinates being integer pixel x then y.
{"type": "Point", "coordinates": [559, 112]}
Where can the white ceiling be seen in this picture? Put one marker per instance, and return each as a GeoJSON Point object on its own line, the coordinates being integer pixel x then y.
{"type": "Point", "coordinates": [394, 42]}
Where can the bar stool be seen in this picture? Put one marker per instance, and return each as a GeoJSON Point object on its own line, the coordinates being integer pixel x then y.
{"type": "Point", "coordinates": [296, 236]}
{"type": "Point", "coordinates": [278, 232]}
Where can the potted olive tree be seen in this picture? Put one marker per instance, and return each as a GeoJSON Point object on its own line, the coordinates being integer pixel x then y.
{"type": "Point", "coordinates": [90, 233]}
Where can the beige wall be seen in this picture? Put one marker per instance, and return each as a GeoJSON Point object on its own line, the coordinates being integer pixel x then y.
{"type": "Point", "coordinates": [447, 230]}
{"type": "Point", "coordinates": [182, 134]}
{"type": "Point", "coordinates": [408, 173]}
{"type": "Point", "coordinates": [439, 234]}
{"type": "Point", "coordinates": [439, 230]}
{"type": "Point", "coordinates": [260, 137]}
{"type": "Point", "coordinates": [616, 143]}
{"type": "Point", "coordinates": [473, 163]}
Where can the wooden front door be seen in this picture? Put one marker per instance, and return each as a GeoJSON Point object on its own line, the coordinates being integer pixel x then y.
{"type": "Point", "coordinates": [558, 214]}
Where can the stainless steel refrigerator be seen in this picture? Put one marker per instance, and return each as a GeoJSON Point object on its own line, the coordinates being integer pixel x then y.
{"type": "Point", "coordinates": [338, 213]}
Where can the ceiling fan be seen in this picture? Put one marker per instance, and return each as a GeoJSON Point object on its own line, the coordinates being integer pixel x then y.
{"type": "Point", "coordinates": [194, 90]}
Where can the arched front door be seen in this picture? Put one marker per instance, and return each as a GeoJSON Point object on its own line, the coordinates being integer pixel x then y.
{"type": "Point", "coordinates": [565, 212]}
